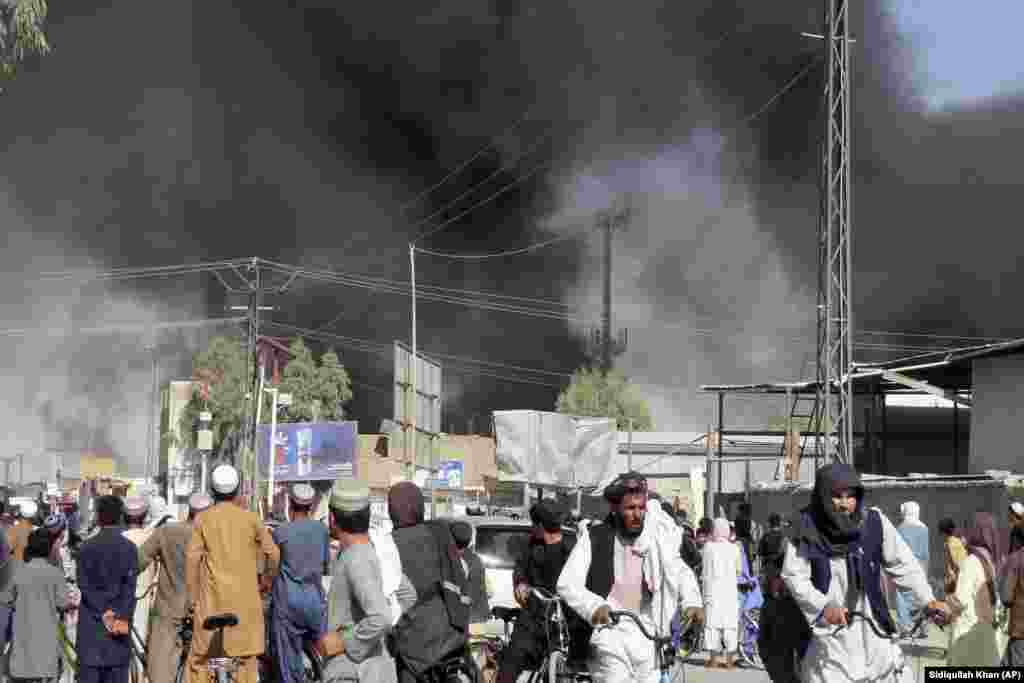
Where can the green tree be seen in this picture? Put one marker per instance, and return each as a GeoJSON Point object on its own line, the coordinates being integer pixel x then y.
{"type": "Point", "coordinates": [221, 367]}
{"type": "Point", "coordinates": [334, 388]}
{"type": "Point", "coordinates": [593, 393]}
{"type": "Point", "coordinates": [21, 33]}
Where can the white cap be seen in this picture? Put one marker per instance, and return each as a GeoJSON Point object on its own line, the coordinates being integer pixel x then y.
{"type": "Point", "coordinates": [224, 479]}
{"type": "Point", "coordinates": [1018, 509]}
{"type": "Point", "coordinates": [29, 509]}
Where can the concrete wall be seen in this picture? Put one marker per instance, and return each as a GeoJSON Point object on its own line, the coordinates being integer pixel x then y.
{"type": "Point", "coordinates": [956, 499]}
{"type": "Point", "coordinates": [997, 413]}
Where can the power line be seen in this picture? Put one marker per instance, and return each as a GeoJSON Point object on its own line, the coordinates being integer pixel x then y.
{"type": "Point", "coordinates": [793, 81]}
{"type": "Point", "coordinates": [505, 166]}
{"type": "Point", "coordinates": [512, 252]}
{"type": "Point", "coordinates": [458, 169]}
{"type": "Point", "coordinates": [506, 188]}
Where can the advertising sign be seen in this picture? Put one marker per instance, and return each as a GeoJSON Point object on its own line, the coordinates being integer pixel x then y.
{"type": "Point", "coordinates": [449, 475]}
{"type": "Point", "coordinates": [306, 451]}
{"type": "Point", "coordinates": [551, 448]}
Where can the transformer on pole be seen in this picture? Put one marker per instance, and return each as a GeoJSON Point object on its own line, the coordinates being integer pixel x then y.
{"type": "Point", "coordinates": [835, 325]}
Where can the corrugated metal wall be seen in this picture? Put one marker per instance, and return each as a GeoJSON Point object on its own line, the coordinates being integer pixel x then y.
{"type": "Point", "coordinates": [958, 500]}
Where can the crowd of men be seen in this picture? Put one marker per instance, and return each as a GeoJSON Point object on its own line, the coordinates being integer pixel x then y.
{"type": "Point", "coordinates": [399, 606]}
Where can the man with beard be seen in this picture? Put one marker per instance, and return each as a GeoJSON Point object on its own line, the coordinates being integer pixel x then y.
{"type": "Point", "coordinates": [629, 562]}
{"type": "Point", "coordinates": [434, 629]}
{"type": "Point", "coordinates": [834, 566]}
{"type": "Point", "coordinates": [539, 566]}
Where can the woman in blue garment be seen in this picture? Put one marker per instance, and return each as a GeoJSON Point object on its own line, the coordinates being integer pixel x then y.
{"type": "Point", "coordinates": [750, 598]}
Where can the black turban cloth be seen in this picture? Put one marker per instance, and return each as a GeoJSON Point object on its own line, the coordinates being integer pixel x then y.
{"type": "Point", "coordinates": [550, 514]}
{"type": "Point", "coordinates": [828, 530]}
{"type": "Point", "coordinates": [462, 532]}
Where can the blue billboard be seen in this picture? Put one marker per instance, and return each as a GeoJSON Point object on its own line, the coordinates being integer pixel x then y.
{"type": "Point", "coordinates": [305, 451]}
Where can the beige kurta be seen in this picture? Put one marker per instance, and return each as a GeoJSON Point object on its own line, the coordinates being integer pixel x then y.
{"type": "Point", "coordinates": [17, 538]}
{"type": "Point", "coordinates": [972, 639]}
{"type": "Point", "coordinates": [222, 562]}
{"type": "Point", "coordinates": [145, 585]}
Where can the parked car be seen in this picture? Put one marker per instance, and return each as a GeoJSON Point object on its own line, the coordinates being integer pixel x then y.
{"type": "Point", "coordinates": [499, 541]}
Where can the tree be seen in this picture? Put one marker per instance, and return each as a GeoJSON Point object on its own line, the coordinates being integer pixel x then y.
{"type": "Point", "coordinates": [21, 33]}
{"type": "Point", "coordinates": [222, 371]}
{"type": "Point", "coordinates": [319, 391]}
{"type": "Point", "coordinates": [596, 394]}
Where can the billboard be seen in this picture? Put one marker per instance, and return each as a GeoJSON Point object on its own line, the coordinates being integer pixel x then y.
{"type": "Point", "coordinates": [305, 451]}
{"type": "Point", "coordinates": [449, 475]}
{"type": "Point", "coordinates": [425, 406]}
{"type": "Point", "coordinates": [555, 449]}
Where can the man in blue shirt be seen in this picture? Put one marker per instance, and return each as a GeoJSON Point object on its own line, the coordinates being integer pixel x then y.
{"type": "Point", "coordinates": [299, 607]}
{"type": "Point", "coordinates": [915, 533]}
{"type": "Point", "coordinates": [106, 577]}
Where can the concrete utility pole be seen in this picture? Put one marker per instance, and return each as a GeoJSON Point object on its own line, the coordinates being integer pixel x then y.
{"type": "Point", "coordinates": [608, 221]}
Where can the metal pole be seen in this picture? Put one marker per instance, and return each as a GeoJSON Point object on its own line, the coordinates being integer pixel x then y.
{"type": "Point", "coordinates": [721, 439]}
{"type": "Point", "coordinates": [255, 471]}
{"type": "Point", "coordinates": [412, 367]}
{"type": "Point", "coordinates": [629, 448]}
{"type": "Point", "coordinates": [270, 460]}
{"type": "Point", "coordinates": [606, 322]}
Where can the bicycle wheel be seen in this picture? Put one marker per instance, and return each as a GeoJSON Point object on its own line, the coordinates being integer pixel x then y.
{"type": "Point", "coordinates": [312, 664]}
{"type": "Point", "coordinates": [557, 668]}
{"type": "Point", "coordinates": [748, 646]}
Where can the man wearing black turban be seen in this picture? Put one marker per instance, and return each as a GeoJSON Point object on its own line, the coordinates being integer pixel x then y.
{"type": "Point", "coordinates": [834, 566]}
{"type": "Point", "coordinates": [538, 567]}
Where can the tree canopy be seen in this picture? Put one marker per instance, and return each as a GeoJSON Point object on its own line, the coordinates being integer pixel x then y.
{"type": "Point", "coordinates": [221, 372]}
{"type": "Point", "coordinates": [593, 393]}
{"type": "Point", "coordinates": [21, 33]}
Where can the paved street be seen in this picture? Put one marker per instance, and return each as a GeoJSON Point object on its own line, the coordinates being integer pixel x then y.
{"type": "Point", "coordinates": [930, 652]}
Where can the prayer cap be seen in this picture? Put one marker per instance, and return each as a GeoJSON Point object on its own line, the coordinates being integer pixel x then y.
{"type": "Point", "coordinates": [198, 502]}
{"type": "Point", "coordinates": [224, 479]}
{"type": "Point", "coordinates": [1018, 509]}
{"type": "Point", "coordinates": [349, 495]}
{"type": "Point", "coordinates": [302, 495]}
{"type": "Point", "coordinates": [135, 506]}
{"type": "Point", "coordinates": [29, 509]}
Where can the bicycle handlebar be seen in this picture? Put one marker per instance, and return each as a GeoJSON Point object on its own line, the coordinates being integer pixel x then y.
{"type": "Point", "coordinates": [543, 595]}
{"type": "Point", "coordinates": [853, 614]}
{"type": "Point", "coordinates": [615, 615]}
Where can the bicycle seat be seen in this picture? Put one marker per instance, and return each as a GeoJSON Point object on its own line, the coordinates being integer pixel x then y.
{"type": "Point", "coordinates": [218, 621]}
{"type": "Point", "coordinates": [506, 613]}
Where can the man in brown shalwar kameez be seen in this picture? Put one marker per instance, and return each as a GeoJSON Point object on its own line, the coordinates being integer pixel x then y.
{"type": "Point", "coordinates": [221, 573]}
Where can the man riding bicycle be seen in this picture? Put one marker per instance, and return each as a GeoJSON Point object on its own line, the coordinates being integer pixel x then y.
{"type": "Point", "coordinates": [539, 566]}
{"type": "Point", "coordinates": [629, 562]}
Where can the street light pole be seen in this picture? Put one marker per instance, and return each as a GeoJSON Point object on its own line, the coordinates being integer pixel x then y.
{"type": "Point", "coordinates": [270, 458]}
{"type": "Point", "coordinates": [412, 366]}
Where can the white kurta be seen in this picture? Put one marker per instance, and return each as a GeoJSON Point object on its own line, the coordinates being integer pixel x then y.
{"type": "Point", "coordinates": [621, 654]}
{"type": "Point", "coordinates": [721, 567]}
{"type": "Point", "coordinates": [856, 653]}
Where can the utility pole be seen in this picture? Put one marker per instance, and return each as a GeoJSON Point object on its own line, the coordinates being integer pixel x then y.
{"type": "Point", "coordinates": [608, 347]}
{"type": "Point", "coordinates": [835, 324]}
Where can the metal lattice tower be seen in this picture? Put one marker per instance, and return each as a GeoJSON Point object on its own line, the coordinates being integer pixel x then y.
{"type": "Point", "coordinates": [835, 329]}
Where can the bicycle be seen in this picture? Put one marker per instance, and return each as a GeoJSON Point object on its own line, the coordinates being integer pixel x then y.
{"type": "Point", "coordinates": [222, 669]}
{"type": "Point", "coordinates": [663, 651]}
{"type": "Point", "coordinates": [485, 648]}
{"type": "Point", "coordinates": [555, 667]}
{"type": "Point", "coordinates": [894, 637]}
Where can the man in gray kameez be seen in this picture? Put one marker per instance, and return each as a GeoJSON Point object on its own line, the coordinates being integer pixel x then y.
{"type": "Point", "coordinates": [356, 606]}
{"type": "Point", "coordinates": [40, 592]}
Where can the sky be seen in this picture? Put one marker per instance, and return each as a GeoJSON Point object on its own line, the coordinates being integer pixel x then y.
{"type": "Point", "coordinates": [315, 133]}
